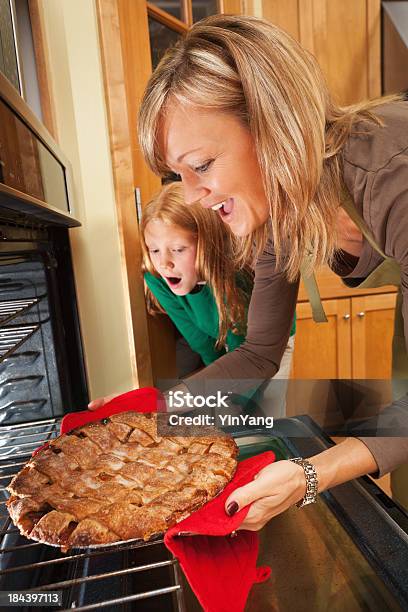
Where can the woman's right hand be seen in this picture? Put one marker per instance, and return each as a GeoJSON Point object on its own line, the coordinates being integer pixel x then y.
{"type": "Point", "coordinates": [273, 490]}
{"type": "Point", "coordinates": [100, 401]}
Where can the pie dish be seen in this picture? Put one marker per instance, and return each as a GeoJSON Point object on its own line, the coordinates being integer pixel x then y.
{"type": "Point", "coordinates": [118, 479]}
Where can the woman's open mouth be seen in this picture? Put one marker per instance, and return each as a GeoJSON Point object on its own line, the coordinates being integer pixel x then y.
{"type": "Point", "coordinates": [225, 209]}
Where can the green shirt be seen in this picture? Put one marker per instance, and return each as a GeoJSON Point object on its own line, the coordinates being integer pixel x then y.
{"type": "Point", "coordinates": [196, 317]}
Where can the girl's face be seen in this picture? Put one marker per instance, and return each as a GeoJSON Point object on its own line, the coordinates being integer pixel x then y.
{"type": "Point", "coordinates": [215, 156]}
{"type": "Point", "coordinates": [172, 251]}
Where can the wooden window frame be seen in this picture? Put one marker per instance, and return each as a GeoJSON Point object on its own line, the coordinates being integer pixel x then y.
{"type": "Point", "coordinates": [181, 26]}
{"type": "Point", "coordinates": [166, 19]}
{"type": "Point", "coordinates": [187, 11]}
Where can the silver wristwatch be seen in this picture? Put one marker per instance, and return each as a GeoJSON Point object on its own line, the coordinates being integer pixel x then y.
{"type": "Point", "coordinates": [311, 481]}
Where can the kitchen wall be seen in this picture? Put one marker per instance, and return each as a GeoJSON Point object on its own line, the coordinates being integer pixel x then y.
{"type": "Point", "coordinates": [73, 49]}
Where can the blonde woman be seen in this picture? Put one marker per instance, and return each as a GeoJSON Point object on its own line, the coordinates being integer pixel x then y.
{"type": "Point", "coordinates": [242, 113]}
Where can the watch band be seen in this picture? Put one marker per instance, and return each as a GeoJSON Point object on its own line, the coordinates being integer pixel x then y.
{"type": "Point", "coordinates": [311, 481]}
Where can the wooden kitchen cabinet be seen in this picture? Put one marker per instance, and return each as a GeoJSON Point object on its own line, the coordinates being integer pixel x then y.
{"type": "Point", "coordinates": [343, 36]}
{"type": "Point", "coordinates": [372, 327]}
{"type": "Point", "coordinates": [323, 350]}
{"type": "Point", "coordinates": [355, 343]}
{"type": "Point", "coordinates": [341, 368]}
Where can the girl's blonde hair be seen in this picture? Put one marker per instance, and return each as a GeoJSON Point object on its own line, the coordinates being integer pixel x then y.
{"type": "Point", "coordinates": [253, 70]}
{"type": "Point", "coordinates": [214, 260]}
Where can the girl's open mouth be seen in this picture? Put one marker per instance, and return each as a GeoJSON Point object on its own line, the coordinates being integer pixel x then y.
{"type": "Point", "coordinates": [173, 280]}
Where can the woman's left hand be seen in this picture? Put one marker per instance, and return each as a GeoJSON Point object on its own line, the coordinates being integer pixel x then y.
{"type": "Point", "coordinates": [274, 489]}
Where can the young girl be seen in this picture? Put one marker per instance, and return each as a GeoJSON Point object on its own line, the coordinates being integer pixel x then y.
{"type": "Point", "coordinates": [190, 273]}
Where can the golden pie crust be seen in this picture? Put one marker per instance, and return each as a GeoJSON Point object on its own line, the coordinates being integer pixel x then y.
{"type": "Point", "coordinates": [118, 479]}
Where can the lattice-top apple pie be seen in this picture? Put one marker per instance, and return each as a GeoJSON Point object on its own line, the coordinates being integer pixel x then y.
{"type": "Point", "coordinates": [117, 479]}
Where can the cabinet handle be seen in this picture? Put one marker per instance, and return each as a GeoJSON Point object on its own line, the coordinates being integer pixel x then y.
{"type": "Point", "coordinates": [361, 314]}
{"type": "Point", "coordinates": [346, 317]}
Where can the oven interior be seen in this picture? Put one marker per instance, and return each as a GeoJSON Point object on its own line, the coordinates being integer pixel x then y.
{"type": "Point", "coordinates": [28, 362]}
{"type": "Point", "coordinates": [42, 368]}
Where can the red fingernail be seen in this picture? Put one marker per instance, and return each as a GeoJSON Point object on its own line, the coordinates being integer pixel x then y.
{"type": "Point", "coordinates": [232, 508]}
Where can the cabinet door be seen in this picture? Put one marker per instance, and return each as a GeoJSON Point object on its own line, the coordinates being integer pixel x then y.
{"type": "Point", "coordinates": [343, 36]}
{"type": "Point", "coordinates": [372, 330]}
{"type": "Point", "coordinates": [322, 350]}
{"type": "Point", "coordinates": [285, 15]}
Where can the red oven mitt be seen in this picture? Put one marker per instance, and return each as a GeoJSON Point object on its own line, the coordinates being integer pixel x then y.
{"type": "Point", "coordinates": [220, 569]}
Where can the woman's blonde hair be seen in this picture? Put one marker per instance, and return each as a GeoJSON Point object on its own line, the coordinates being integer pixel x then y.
{"type": "Point", "coordinates": [253, 70]}
{"type": "Point", "coordinates": [214, 260]}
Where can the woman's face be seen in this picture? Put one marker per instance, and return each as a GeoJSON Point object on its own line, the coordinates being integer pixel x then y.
{"type": "Point", "coordinates": [172, 251]}
{"type": "Point", "coordinates": [215, 156]}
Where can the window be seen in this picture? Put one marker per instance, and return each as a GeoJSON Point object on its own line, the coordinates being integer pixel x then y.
{"type": "Point", "coordinates": [204, 8]}
{"type": "Point", "coordinates": [173, 7]}
{"type": "Point", "coordinates": [161, 38]}
{"type": "Point", "coordinates": [170, 19]}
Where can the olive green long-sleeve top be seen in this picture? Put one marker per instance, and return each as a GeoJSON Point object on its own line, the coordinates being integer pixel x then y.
{"type": "Point", "coordinates": [196, 317]}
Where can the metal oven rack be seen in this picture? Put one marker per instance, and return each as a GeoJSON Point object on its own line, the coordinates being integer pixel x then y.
{"type": "Point", "coordinates": [114, 577]}
{"type": "Point", "coordinates": [12, 337]}
{"type": "Point", "coordinates": [30, 380]}
{"type": "Point", "coordinates": [11, 308]}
